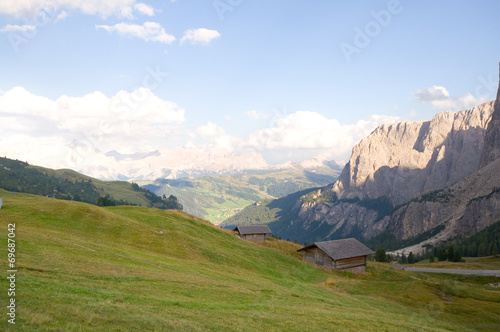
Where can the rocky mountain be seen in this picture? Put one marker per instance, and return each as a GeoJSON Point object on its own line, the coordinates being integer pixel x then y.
{"type": "Point", "coordinates": [410, 182]}
{"type": "Point", "coordinates": [402, 160]}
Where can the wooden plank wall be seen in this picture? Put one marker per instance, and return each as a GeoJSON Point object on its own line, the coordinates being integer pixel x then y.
{"type": "Point", "coordinates": [318, 257]}
{"type": "Point", "coordinates": [254, 237]}
{"type": "Point", "coordinates": [350, 262]}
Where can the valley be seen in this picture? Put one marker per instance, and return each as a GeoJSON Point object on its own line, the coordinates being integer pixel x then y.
{"type": "Point", "coordinates": [218, 198]}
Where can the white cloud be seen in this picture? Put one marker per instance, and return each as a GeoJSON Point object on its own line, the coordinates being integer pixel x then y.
{"type": "Point", "coordinates": [28, 8]}
{"type": "Point", "coordinates": [17, 28]}
{"type": "Point", "coordinates": [61, 16]}
{"type": "Point", "coordinates": [257, 115]}
{"type": "Point", "coordinates": [144, 9]}
{"type": "Point", "coordinates": [93, 124]}
{"type": "Point", "coordinates": [149, 31]}
{"type": "Point", "coordinates": [79, 132]}
{"type": "Point", "coordinates": [439, 97]}
{"type": "Point", "coordinates": [200, 36]}
{"type": "Point", "coordinates": [306, 130]}
{"type": "Point", "coordinates": [210, 129]}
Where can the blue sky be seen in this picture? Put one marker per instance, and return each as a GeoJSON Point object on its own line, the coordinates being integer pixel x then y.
{"type": "Point", "coordinates": [287, 79]}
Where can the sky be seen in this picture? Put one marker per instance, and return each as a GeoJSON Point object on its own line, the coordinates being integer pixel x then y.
{"type": "Point", "coordinates": [288, 79]}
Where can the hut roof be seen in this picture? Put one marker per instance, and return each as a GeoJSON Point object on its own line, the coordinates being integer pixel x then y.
{"type": "Point", "coordinates": [253, 229]}
{"type": "Point", "coordinates": [342, 249]}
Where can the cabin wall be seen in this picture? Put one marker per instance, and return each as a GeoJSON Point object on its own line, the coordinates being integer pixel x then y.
{"type": "Point", "coordinates": [318, 257]}
{"type": "Point", "coordinates": [254, 237]}
{"type": "Point", "coordinates": [351, 264]}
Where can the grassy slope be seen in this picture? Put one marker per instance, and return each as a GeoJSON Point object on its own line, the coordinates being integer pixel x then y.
{"type": "Point", "coordinates": [119, 190]}
{"type": "Point", "coordinates": [81, 267]}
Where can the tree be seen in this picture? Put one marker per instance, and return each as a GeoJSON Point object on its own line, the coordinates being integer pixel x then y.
{"type": "Point", "coordinates": [380, 255]}
{"type": "Point", "coordinates": [442, 254]}
{"type": "Point", "coordinates": [450, 253]}
{"type": "Point", "coordinates": [403, 259]}
{"type": "Point", "coordinates": [431, 258]}
{"type": "Point", "coordinates": [494, 250]}
{"type": "Point", "coordinates": [411, 258]}
{"type": "Point", "coordinates": [457, 256]}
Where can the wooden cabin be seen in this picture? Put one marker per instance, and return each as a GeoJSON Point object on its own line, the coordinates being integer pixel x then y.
{"type": "Point", "coordinates": [346, 254]}
{"type": "Point", "coordinates": [253, 232]}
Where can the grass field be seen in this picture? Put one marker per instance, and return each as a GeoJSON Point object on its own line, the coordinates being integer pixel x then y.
{"type": "Point", "coordinates": [85, 268]}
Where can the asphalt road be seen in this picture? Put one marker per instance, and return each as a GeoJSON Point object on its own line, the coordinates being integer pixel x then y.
{"type": "Point", "coordinates": [495, 273]}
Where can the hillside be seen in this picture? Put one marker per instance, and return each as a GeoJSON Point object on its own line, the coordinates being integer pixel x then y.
{"type": "Point", "coordinates": [87, 268]}
{"type": "Point", "coordinates": [69, 185]}
{"type": "Point", "coordinates": [217, 198]}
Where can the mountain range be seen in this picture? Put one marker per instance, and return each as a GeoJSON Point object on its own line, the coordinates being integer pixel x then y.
{"type": "Point", "coordinates": [411, 183]}
{"type": "Point", "coordinates": [187, 162]}
{"type": "Point", "coordinates": [217, 198]}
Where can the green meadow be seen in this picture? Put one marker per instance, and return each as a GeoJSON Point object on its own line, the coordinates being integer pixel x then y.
{"type": "Point", "coordinates": [85, 268]}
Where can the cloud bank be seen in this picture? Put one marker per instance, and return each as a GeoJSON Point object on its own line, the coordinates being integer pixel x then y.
{"type": "Point", "coordinates": [440, 98]}
{"type": "Point", "coordinates": [85, 133]}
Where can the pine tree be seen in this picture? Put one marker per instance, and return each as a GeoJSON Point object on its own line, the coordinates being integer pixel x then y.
{"type": "Point", "coordinates": [457, 257]}
{"type": "Point", "coordinates": [451, 253]}
{"type": "Point", "coordinates": [431, 258]}
{"type": "Point", "coordinates": [403, 259]}
{"type": "Point", "coordinates": [494, 250]}
{"type": "Point", "coordinates": [411, 258]}
{"type": "Point", "coordinates": [380, 255]}
{"type": "Point", "coordinates": [442, 254]}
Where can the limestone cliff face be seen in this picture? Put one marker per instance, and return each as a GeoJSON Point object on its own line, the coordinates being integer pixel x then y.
{"type": "Point", "coordinates": [462, 209]}
{"type": "Point", "coordinates": [491, 150]}
{"type": "Point", "coordinates": [405, 159]}
{"type": "Point", "coordinates": [437, 178]}
{"type": "Point", "coordinates": [441, 172]}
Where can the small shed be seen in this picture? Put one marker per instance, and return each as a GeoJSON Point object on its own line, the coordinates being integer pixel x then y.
{"type": "Point", "coordinates": [253, 232]}
{"type": "Point", "coordinates": [345, 254]}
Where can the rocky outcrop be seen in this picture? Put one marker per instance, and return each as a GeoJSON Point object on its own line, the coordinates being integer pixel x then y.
{"type": "Point", "coordinates": [491, 150]}
{"type": "Point", "coordinates": [462, 209]}
{"type": "Point", "coordinates": [342, 219]}
{"type": "Point", "coordinates": [402, 160]}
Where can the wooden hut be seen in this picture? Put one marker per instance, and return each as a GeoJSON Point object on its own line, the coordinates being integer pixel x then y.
{"type": "Point", "coordinates": [253, 232]}
{"type": "Point", "coordinates": [346, 254]}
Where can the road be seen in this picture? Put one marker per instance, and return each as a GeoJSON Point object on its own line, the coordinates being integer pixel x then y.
{"type": "Point", "coordinates": [495, 273]}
